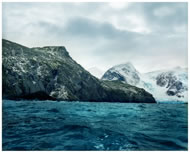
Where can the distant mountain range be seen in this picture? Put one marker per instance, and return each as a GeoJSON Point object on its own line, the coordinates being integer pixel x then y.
{"type": "Point", "coordinates": [50, 73]}
{"type": "Point", "coordinates": [164, 85]}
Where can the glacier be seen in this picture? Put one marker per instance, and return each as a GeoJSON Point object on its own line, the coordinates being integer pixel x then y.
{"type": "Point", "coordinates": [167, 85]}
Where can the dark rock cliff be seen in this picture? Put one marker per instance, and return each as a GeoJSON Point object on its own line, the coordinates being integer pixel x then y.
{"type": "Point", "coordinates": [50, 73]}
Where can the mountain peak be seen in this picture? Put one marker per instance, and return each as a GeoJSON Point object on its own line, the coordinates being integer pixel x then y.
{"type": "Point", "coordinates": [61, 50]}
{"type": "Point", "coordinates": [124, 72]}
{"type": "Point", "coordinates": [125, 66]}
{"type": "Point", "coordinates": [128, 63]}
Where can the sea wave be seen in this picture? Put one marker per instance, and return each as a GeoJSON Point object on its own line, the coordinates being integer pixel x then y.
{"type": "Point", "coordinates": [48, 125]}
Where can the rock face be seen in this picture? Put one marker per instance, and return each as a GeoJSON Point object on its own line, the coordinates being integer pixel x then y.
{"type": "Point", "coordinates": [164, 85]}
{"type": "Point", "coordinates": [50, 73]}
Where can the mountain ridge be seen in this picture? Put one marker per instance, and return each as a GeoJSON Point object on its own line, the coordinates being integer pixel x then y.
{"type": "Point", "coordinates": [50, 73]}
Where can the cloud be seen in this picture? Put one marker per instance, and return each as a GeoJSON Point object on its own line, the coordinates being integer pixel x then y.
{"type": "Point", "coordinates": [104, 34]}
{"type": "Point", "coordinates": [163, 17]}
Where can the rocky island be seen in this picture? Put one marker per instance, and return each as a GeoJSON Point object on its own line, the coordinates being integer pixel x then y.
{"type": "Point", "coordinates": [49, 73]}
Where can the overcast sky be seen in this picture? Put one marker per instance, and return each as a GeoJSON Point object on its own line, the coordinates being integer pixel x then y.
{"type": "Point", "coordinates": [152, 36]}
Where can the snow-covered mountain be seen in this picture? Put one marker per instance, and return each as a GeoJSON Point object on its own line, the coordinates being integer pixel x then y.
{"type": "Point", "coordinates": [123, 72]}
{"type": "Point", "coordinates": [96, 72]}
{"type": "Point", "coordinates": [165, 85]}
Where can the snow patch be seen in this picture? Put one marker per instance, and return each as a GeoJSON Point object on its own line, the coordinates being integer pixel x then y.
{"type": "Point", "coordinates": [61, 93]}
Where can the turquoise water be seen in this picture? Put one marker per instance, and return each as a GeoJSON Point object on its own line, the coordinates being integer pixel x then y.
{"type": "Point", "coordinates": [48, 125]}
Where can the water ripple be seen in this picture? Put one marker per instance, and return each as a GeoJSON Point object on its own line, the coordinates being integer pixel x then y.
{"type": "Point", "coordinates": [38, 125]}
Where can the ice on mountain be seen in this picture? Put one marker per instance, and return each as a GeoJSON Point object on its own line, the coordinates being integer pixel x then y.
{"type": "Point", "coordinates": [164, 85]}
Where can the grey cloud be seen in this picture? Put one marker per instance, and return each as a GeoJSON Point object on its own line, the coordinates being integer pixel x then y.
{"type": "Point", "coordinates": [91, 37]}
{"type": "Point", "coordinates": [85, 27]}
{"type": "Point", "coordinates": [164, 23]}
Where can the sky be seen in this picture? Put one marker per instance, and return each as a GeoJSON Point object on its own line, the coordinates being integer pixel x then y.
{"type": "Point", "coordinates": [151, 36]}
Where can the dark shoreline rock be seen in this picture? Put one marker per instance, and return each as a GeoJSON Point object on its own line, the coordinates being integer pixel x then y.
{"type": "Point", "coordinates": [49, 73]}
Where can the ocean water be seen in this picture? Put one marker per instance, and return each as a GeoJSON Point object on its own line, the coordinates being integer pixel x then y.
{"type": "Point", "coordinates": [48, 125]}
